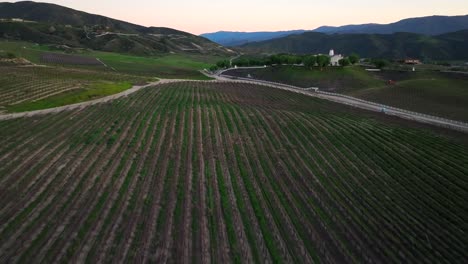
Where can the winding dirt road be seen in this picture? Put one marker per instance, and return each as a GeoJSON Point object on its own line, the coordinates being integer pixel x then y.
{"type": "Point", "coordinates": [87, 103]}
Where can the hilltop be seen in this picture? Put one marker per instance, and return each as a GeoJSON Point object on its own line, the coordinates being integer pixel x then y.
{"type": "Point", "coordinates": [431, 26]}
{"type": "Point", "coordinates": [54, 24]}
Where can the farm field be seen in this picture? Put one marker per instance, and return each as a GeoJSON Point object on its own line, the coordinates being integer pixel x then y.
{"type": "Point", "coordinates": [439, 94]}
{"type": "Point", "coordinates": [24, 88]}
{"type": "Point", "coordinates": [57, 58]}
{"type": "Point", "coordinates": [184, 66]}
{"type": "Point", "coordinates": [435, 93]}
{"type": "Point", "coordinates": [329, 79]}
{"type": "Point", "coordinates": [223, 172]}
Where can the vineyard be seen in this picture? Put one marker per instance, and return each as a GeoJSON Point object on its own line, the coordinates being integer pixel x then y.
{"type": "Point", "coordinates": [56, 58]}
{"type": "Point", "coordinates": [20, 84]}
{"type": "Point", "coordinates": [439, 94]}
{"type": "Point", "coordinates": [224, 172]}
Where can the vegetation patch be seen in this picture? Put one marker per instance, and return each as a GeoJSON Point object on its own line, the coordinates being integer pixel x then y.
{"type": "Point", "coordinates": [335, 79]}
{"type": "Point", "coordinates": [90, 92]}
{"type": "Point", "coordinates": [285, 178]}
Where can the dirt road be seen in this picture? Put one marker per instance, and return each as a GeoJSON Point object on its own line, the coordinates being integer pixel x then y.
{"type": "Point", "coordinates": [355, 102]}
{"type": "Point", "coordinates": [87, 103]}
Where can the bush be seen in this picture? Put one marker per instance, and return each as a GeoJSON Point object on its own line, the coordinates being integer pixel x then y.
{"type": "Point", "coordinates": [7, 55]}
{"type": "Point", "coordinates": [353, 58]}
{"type": "Point", "coordinates": [309, 61]}
{"type": "Point", "coordinates": [344, 62]}
{"type": "Point", "coordinates": [323, 60]}
{"type": "Point", "coordinates": [380, 63]}
{"type": "Point", "coordinates": [223, 64]}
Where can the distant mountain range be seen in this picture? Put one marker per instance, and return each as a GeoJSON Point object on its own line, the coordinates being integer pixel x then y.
{"type": "Point", "coordinates": [54, 24]}
{"type": "Point", "coordinates": [432, 26]}
{"type": "Point", "coordinates": [231, 39]}
{"type": "Point", "coordinates": [449, 46]}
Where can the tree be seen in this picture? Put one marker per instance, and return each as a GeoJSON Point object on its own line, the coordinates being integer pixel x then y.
{"type": "Point", "coordinates": [309, 61]}
{"type": "Point", "coordinates": [223, 64]}
{"type": "Point", "coordinates": [275, 59]}
{"type": "Point", "coordinates": [380, 63]}
{"type": "Point", "coordinates": [323, 60]}
{"type": "Point", "coordinates": [344, 62]}
{"type": "Point", "coordinates": [353, 58]}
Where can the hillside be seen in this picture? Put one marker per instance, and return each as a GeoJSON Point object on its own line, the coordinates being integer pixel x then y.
{"type": "Point", "coordinates": [394, 46]}
{"type": "Point", "coordinates": [54, 24]}
{"type": "Point", "coordinates": [431, 25]}
{"type": "Point", "coordinates": [230, 38]}
{"type": "Point", "coordinates": [440, 94]}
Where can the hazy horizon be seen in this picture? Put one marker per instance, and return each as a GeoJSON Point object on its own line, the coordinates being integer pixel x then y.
{"type": "Point", "coordinates": [262, 15]}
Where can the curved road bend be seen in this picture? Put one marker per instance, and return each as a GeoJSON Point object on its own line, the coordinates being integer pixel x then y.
{"type": "Point", "coordinates": [219, 78]}
{"type": "Point", "coordinates": [85, 104]}
{"type": "Point", "coordinates": [451, 124]}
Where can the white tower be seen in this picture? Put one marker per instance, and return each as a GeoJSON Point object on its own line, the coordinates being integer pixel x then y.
{"type": "Point", "coordinates": [332, 53]}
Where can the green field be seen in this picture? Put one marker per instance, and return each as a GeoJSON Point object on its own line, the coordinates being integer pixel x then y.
{"type": "Point", "coordinates": [184, 66]}
{"type": "Point", "coordinates": [440, 96]}
{"type": "Point", "coordinates": [330, 79]}
{"type": "Point", "coordinates": [87, 92]}
{"type": "Point", "coordinates": [429, 92]}
{"type": "Point", "coordinates": [199, 172]}
{"type": "Point", "coordinates": [24, 88]}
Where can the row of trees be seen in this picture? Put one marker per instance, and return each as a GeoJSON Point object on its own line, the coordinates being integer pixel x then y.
{"type": "Point", "coordinates": [308, 61]}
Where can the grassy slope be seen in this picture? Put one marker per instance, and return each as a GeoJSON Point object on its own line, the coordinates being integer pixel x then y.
{"type": "Point", "coordinates": [331, 79]}
{"type": "Point", "coordinates": [32, 88]}
{"type": "Point", "coordinates": [92, 91]}
{"type": "Point", "coordinates": [169, 66]}
{"type": "Point", "coordinates": [434, 93]}
{"type": "Point", "coordinates": [440, 96]}
{"type": "Point", "coordinates": [91, 81]}
{"type": "Point", "coordinates": [185, 66]}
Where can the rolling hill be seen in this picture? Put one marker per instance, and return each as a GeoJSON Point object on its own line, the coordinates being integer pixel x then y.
{"type": "Point", "coordinates": [53, 24]}
{"type": "Point", "coordinates": [451, 46]}
{"type": "Point", "coordinates": [432, 25]}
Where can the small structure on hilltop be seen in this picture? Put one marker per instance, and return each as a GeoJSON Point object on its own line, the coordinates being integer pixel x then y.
{"type": "Point", "coordinates": [410, 61]}
{"type": "Point", "coordinates": [335, 59]}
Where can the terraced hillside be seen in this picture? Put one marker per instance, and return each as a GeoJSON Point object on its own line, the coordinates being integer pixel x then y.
{"type": "Point", "coordinates": [220, 172]}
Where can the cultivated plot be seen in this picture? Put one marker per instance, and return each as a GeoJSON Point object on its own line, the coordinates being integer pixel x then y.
{"type": "Point", "coordinates": [221, 172]}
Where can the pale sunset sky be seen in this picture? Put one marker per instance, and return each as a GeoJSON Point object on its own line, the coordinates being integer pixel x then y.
{"type": "Point", "coordinates": [203, 16]}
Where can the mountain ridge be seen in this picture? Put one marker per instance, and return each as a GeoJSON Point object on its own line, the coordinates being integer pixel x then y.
{"type": "Point", "coordinates": [449, 46]}
{"type": "Point", "coordinates": [236, 38]}
{"type": "Point", "coordinates": [56, 24]}
{"type": "Point", "coordinates": [428, 25]}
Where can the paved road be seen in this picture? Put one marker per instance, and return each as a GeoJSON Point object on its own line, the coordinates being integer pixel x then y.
{"type": "Point", "coordinates": [355, 102]}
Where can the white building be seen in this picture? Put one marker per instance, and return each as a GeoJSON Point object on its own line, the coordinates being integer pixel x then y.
{"type": "Point", "coordinates": [335, 59]}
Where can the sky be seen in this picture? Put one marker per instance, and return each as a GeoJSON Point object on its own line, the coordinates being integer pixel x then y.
{"type": "Point", "coordinates": [203, 16]}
